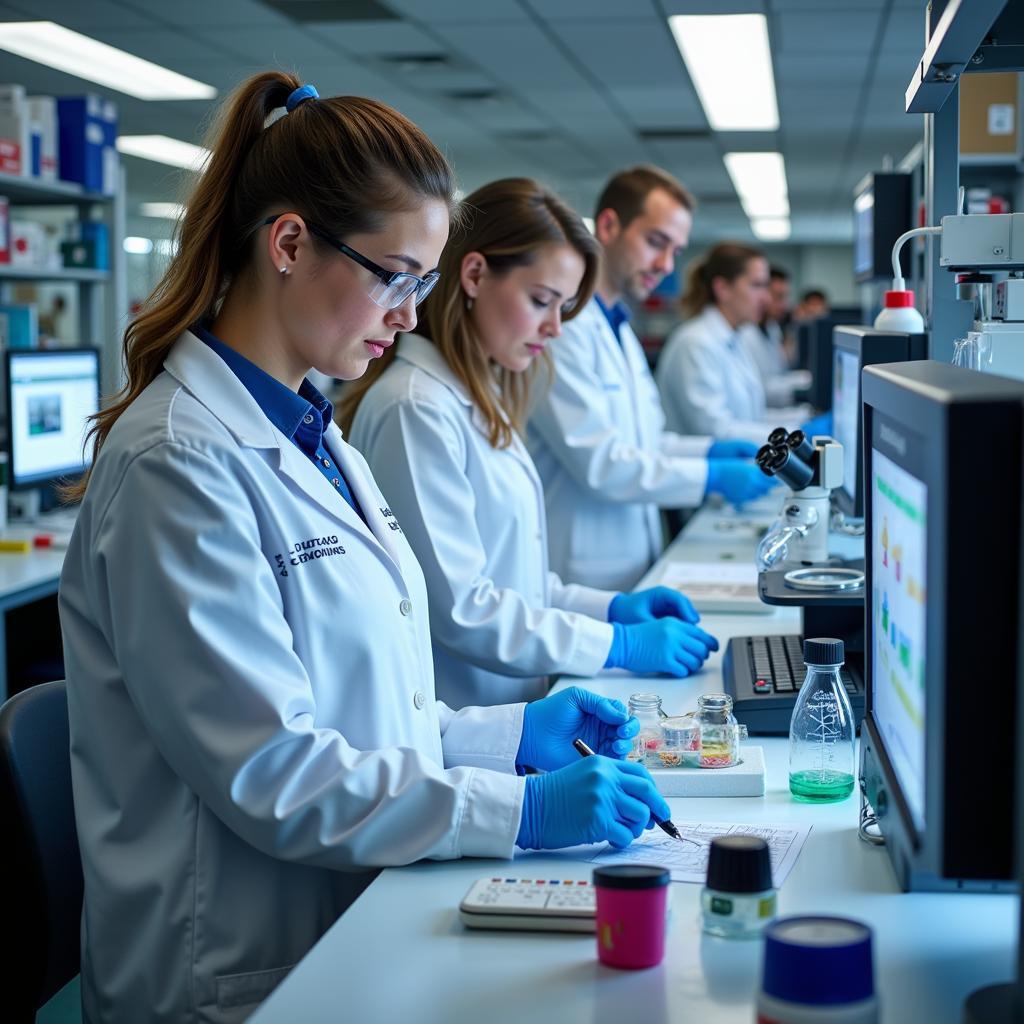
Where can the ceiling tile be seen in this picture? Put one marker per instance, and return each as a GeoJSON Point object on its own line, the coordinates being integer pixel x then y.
{"type": "Point", "coordinates": [818, 32]}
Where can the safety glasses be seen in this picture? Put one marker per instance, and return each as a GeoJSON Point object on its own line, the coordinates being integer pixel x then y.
{"type": "Point", "coordinates": [393, 287]}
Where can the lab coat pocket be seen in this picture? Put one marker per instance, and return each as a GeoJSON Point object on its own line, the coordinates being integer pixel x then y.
{"type": "Point", "coordinates": [234, 990]}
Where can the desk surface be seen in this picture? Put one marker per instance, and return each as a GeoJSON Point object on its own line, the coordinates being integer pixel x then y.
{"type": "Point", "coordinates": [400, 953]}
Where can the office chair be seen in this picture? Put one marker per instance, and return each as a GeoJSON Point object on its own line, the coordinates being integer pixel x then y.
{"type": "Point", "coordinates": [43, 870]}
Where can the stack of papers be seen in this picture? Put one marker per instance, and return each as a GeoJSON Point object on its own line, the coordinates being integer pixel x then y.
{"type": "Point", "coordinates": [717, 586]}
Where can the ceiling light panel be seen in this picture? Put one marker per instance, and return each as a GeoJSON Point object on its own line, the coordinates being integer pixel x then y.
{"type": "Point", "coordinates": [730, 63]}
{"type": "Point", "coordinates": [760, 182]}
{"type": "Point", "coordinates": [164, 150]}
{"type": "Point", "coordinates": [58, 47]}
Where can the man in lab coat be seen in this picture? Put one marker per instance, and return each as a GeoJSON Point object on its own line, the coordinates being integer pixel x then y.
{"type": "Point", "coordinates": [598, 433]}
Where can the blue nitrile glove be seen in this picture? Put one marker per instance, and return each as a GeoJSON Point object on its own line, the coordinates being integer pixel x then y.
{"type": "Point", "coordinates": [664, 645]}
{"type": "Point", "coordinates": [821, 424]}
{"type": "Point", "coordinates": [594, 800]}
{"type": "Point", "coordinates": [651, 604]}
{"type": "Point", "coordinates": [737, 480]}
{"type": "Point", "coordinates": [732, 449]}
{"type": "Point", "coordinates": [552, 723]}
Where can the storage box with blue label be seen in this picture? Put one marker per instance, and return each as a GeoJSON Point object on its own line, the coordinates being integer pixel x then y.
{"type": "Point", "coordinates": [88, 132]}
{"type": "Point", "coordinates": [19, 327]}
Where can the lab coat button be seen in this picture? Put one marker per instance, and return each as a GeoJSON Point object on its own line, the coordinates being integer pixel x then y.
{"type": "Point", "coordinates": [326, 462]}
{"type": "Point", "coordinates": [405, 607]}
{"type": "Point", "coordinates": [307, 419]}
{"type": "Point", "coordinates": [419, 700]}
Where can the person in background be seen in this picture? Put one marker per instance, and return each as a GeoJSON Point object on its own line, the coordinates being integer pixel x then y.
{"type": "Point", "coordinates": [438, 419]}
{"type": "Point", "coordinates": [597, 434]}
{"type": "Point", "coordinates": [708, 380]}
{"type": "Point", "coordinates": [767, 348]}
{"type": "Point", "coordinates": [254, 731]}
{"type": "Point", "coordinates": [813, 303]}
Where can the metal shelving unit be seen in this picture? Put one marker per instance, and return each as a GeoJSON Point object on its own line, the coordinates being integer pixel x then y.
{"type": "Point", "coordinates": [102, 294]}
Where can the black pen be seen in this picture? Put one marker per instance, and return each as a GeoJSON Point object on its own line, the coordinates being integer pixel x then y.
{"type": "Point", "coordinates": [666, 826]}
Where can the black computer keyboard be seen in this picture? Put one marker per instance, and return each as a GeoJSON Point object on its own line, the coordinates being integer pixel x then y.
{"type": "Point", "coordinates": [763, 675]}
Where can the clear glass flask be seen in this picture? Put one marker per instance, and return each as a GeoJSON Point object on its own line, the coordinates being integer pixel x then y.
{"type": "Point", "coordinates": [646, 744]}
{"type": "Point", "coordinates": [720, 734]}
{"type": "Point", "coordinates": [821, 731]}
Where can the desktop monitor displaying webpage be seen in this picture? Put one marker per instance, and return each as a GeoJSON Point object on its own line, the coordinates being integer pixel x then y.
{"type": "Point", "coordinates": [51, 394]}
{"type": "Point", "coordinates": [898, 544]}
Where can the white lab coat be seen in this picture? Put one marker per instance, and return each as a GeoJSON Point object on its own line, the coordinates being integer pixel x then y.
{"type": "Point", "coordinates": [598, 438]}
{"type": "Point", "coordinates": [251, 700]}
{"type": "Point", "coordinates": [709, 382]}
{"type": "Point", "coordinates": [474, 515]}
{"type": "Point", "coordinates": [768, 353]}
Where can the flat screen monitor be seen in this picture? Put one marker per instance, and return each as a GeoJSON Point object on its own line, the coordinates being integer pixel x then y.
{"type": "Point", "coordinates": [853, 348]}
{"type": "Point", "coordinates": [51, 393]}
{"type": "Point", "coordinates": [819, 360]}
{"type": "Point", "coordinates": [882, 211]}
{"type": "Point", "coordinates": [943, 457]}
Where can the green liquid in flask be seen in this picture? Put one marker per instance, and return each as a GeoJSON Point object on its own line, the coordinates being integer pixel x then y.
{"type": "Point", "coordinates": [820, 787]}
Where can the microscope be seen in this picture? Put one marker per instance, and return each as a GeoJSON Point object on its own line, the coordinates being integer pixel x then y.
{"type": "Point", "coordinates": [812, 469]}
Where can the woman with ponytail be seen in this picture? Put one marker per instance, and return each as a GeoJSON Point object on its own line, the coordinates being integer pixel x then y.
{"type": "Point", "coordinates": [250, 682]}
{"type": "Point", "coordinates": [708, 380]}
{"type": "Point", "coordinates": [440, 426]}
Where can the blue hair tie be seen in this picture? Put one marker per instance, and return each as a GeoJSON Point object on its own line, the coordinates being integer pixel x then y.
{"type": "Point", "coordinates": [304, 92]}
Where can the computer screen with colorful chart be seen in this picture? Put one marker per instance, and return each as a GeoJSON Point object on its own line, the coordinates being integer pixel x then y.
{"type": "Point", "coordinates": [943, 498]}
{"type": "Point", "coordinates": [898, 546]}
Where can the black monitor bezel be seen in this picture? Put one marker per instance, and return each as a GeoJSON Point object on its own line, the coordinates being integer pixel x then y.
{"type": "Point", "coordinates": [13, 481]}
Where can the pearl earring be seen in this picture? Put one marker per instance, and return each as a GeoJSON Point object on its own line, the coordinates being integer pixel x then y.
{"type": "Point", "coordinates": [284, 270]}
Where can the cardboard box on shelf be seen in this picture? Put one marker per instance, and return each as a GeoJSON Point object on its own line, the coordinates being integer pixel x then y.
{"type": "Point", "coordinates": [88, 132]}
{"type": "Point", "coordinates": [13, 130]}
{"type": "Point", "coordinates": [42, 126]}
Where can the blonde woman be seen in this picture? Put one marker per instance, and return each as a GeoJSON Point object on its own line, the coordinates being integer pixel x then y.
{"type": "Point", "coordinates": [439, 423]}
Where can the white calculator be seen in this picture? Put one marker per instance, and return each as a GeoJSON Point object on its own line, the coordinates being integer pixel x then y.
{"type": "Point", "coordinates": [529, 904]}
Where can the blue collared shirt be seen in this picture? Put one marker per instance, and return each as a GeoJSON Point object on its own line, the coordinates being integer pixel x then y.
{"type": "Point", "coordinates": [301, 417]}
{"type": "Point", "coordinates": [616, 316]}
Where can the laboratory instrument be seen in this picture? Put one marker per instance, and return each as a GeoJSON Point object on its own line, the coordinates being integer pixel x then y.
{"type": "Point", "coordinates": [821, 732]}
{"type": "Point", "coordinates": [739, 898]}
{"type": "Point", "coordinates": [529, 904]}
{"type": "Point", "coordinates": [811, 468]}
{"type": "Point", "coordinates": [943, 525]}
{"type": "Point", "coordinates": [631, 903]}
{"type": "Point", "coordinates": [817, 970]}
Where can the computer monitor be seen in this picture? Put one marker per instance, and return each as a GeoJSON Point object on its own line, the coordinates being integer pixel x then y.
{"type": "Point", "coordinates": [51, 393]}
{"type": "Point", "coordinates": [819, 356]}
{"type": "Point", "coordinates": [882, 211]}
{"type": "Point", "coordinates": [853, 348]}
{"type": "Point", "coordinates": [943, 499]}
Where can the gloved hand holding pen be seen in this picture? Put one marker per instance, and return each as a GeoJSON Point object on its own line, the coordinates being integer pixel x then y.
{"type": "Point", "coordinates": [594, 800]}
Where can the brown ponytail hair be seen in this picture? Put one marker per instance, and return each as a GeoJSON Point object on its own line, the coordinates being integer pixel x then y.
{"type": "Point", "coordinates": [506, 222]}
{"type": "Point", "coordinates": [342, 162]}
{"type": "Point", "coordinates": [727, 260]}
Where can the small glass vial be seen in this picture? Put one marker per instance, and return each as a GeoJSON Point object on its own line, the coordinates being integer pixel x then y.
{"type": "Point", "coordinates": [646, 707]}
{"type": "Point", "coordinates": [739, 897]}
{"type": "Point", "coordinates": [680, 743]}
{"type": "Point", "coordinates": [821, 731]}
{"type": "Point", "coordinates": [720, 733]}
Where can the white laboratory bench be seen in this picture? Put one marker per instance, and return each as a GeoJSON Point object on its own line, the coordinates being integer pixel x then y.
{"type": "Point", "coordinates": [28, 577]}
{"type": "Point", "coordinates": [400, 954]}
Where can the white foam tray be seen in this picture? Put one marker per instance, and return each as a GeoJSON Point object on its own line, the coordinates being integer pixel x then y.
{"type": "Point", "coordinates": [743, 779]}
